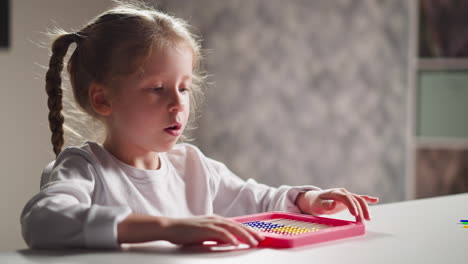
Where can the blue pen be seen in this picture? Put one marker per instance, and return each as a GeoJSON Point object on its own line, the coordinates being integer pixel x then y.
{"type": "Point", "coordinates": [464, 221]}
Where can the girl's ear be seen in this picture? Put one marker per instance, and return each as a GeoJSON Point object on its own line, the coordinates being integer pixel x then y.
{"type": "Point", "coordinates": [99, 99]}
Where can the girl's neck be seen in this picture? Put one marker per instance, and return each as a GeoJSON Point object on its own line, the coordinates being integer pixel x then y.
{"type": "Point", "coordinates": [132, 155]}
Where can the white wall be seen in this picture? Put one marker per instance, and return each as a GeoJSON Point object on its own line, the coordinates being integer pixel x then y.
{"type": "Point", "coordinates": [24, 134]}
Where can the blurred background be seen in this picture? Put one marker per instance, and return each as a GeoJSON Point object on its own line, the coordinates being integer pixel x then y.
{"type": "Point", "coordinates": [370, 95]}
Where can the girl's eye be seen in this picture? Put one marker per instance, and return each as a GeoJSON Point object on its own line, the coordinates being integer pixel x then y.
{"type": "Point", "coordinates": [157, 89]}
{"type": "Point", "coordinates": [184, 90]}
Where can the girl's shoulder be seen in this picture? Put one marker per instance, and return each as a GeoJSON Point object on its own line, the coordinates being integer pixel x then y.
{"type": "Point", "coordinates": [88, 152]}
{"type": "Point", "coordinates": [71, 160]}
{"type": "Point", "coordinates": [93, 153]}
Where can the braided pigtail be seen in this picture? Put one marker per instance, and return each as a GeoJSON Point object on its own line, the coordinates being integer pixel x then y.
{"type": "Point", "coordinates": [54, 89]}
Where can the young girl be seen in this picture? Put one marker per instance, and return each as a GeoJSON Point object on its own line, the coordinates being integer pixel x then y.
{"type": "Point", "coordinates": [136, 70]}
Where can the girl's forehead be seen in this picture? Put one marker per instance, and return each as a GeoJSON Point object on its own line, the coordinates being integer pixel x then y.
{"type": "Point", "coordinates": [169, 60]}
{"type": "Point", "coordinates": [161, 64]}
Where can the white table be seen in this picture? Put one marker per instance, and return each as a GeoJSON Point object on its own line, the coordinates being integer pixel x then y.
{"type": "Point", "coordinates": [420, 231]}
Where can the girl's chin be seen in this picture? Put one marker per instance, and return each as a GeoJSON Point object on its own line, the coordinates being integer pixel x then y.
{"type": "Point", "coordinates": [166, 146]}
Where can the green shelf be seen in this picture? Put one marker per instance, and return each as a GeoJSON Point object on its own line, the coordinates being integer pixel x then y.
{"type": "Point", "coordinates": [442, 110]}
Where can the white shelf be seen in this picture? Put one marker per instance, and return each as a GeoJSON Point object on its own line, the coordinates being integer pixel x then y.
{"type": "Point", "coordinates": [441, 143]}
{"type": "Point", "coordinates": [443, 64]}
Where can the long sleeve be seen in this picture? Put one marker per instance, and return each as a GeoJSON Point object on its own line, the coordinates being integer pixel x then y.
{"type": "Point", "coordinates": [62, 214]}
{"type": "Point", "coordinates": [234, 196]}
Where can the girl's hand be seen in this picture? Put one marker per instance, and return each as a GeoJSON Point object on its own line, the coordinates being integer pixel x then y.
{"type": "Point", "coordinates": [196, 230]}
{"type": "Point", "coordinates": [333, 201]}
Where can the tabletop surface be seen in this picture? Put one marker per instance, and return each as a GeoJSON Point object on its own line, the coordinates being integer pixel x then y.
{"type": "Point", "coordinates": [417, 231]}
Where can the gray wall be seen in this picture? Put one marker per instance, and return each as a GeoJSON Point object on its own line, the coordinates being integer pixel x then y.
{"type": "Point", "coordinates": [306, 92]}
{"type": "Point", "coordinates": [25, 136]}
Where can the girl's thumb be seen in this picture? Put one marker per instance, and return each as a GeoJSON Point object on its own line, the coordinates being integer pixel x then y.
{"type": "Point", "coordinates": [328, 204]}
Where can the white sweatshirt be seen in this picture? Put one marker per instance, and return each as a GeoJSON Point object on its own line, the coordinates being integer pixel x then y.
{"type": "Point", "coordinates": [87, 191]}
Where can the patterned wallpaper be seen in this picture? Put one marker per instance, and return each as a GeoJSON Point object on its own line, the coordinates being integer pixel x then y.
{"type": "Point", "coordinates": [305, 92]}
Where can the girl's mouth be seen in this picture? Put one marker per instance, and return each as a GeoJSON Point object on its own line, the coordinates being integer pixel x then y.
{"type": "Point", "coordinates": [174, 129]}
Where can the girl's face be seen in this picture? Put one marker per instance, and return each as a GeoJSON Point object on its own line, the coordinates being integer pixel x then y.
{"type": "Point", "coordinates": [150, 109]}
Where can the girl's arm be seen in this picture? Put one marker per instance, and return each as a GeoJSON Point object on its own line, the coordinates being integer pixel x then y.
{"type": "Point", "coordinates": [55, 219]}
{"type": "Point", "coordinates": [334, 200]}
{"type": "Point", "coordinates": [233, 196]}
{"type": "Point", "coordinates": [63, 214]}
{"type": "Point", "coordinates": [138, 228]}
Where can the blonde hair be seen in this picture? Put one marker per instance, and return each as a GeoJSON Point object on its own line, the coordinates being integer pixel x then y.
{"type": "Point", "coordinates": [114, 44]}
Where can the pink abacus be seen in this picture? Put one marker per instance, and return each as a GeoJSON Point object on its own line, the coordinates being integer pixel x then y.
{"type": "Point", "coordinates": [286, 230]}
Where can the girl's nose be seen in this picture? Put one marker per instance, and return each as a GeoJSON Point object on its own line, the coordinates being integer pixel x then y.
{"type": "Point", "coordinates": [177, 103]}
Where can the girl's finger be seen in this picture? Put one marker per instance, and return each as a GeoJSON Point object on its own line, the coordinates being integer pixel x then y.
{"type": "Point", "coordinates": [370, 199]}
{"type": "Point", "coordinates": [329, 204]}
{"type": "Point", "coordinates": [364, 207]}
{"type": "Point", "coordinates": [259, 237]}
{"type": "Point", "coordinates": [358, 208]}
{"type": "Point", "coordinates": [222, 235]}
{"type": "Point", "coordinates": [239, 231]}
{"type": "Point", "coordinates": [345, 199]}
